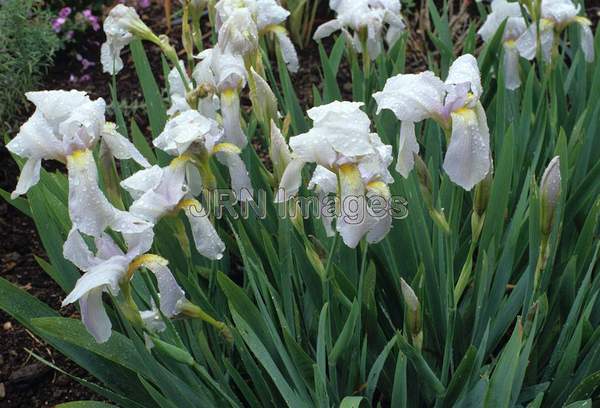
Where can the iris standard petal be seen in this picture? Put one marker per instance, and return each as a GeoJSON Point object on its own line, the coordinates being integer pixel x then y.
{"type": "Point", "coordinates": [182, 130]}
{"type": "Point", "coordinates": [560, 11]}
{"type": "Point", "coordinates": [177, 91]}
{"type": "Point", "coordinates": [142, 181]}
{"type": "Point", "coordinates": [269, 12]}
{"type": "Point", "coordinates": [239, 33]}
{"type": "Point", "coordinates": [36, 139]}
{"type": "Point", "coordinates": [312, 147]}
{"type": "Point", "coordinates": [467, 159]}
{"type": "Point", "coordinates": [412, 97]}
{"type": "Point", "coordinates": [465, 70]}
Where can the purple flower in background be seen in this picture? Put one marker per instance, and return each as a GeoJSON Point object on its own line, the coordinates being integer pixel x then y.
{"type": "Point", "coordinates": [144, 3]}
{"type": "Point", "coordinates": [57, 23]}
{"type": "Point", "coordinates": [70, 34]}
{"type": "Point", "coordinates": [85, 63]}
{"type": "Point", "coordinates": [65, 12]}
{"type": "Point", "coordinates": [92, 19]}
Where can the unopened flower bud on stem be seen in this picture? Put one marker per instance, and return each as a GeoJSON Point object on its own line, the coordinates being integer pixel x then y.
{"type": "Point", "coordinates": [412, 314]}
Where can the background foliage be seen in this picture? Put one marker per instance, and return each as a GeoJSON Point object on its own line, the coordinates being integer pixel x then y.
{"type": "Point", "coordinates": [27, 44]}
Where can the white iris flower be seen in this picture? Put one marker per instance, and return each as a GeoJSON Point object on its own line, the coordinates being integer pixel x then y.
{"type": "Point", "coordinates": [65, 126]}
{"type": "Point", "coordinates": [230, 75]}
{"type": "Point", "coordinates": [556, 15]}
{"type": "Point", "coordinates": [455, 105]}
{"type": "Point", "coordinates": [241, 22]}
{"type": "Point", "coordinates": [364, 23]}
{"type": "Point", "coordinates": [514, 28]}
{"type": "Point", "coordinates": [162, 191]}
{"type": "Point", "coordinates": [352, 162]}
{"type": "Point", "coordinates": [121, 25]}
{"type": "Point", "coordinates": [203, 96]}
{"type": "Point", "coordinates": [107, 271]}
{"type": "Point", "coordinates": [196, 135]}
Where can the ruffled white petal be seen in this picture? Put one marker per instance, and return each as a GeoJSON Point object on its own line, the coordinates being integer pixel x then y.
{"type": "Point", "coordinates": [110, 59]}
{"type": "Point", "coordinates": [142, 181]}
{"type": "Point", "coordinates": [412, 97]}
{"type": "Point", "coordinates": [502, 10]}
{"type": "Point", "coordinates": [229, 70]}
{"type": "Point", "coordinates": [465, 70]}
{"type": "Point", "coordinates": [239, 34]}
{"type": "Point", "coordinates": [342, 125]}
{"type": "Point", "coordinates": [177, 90]}
{"type": "Point", "coordinates": [184, 129]}
{"type": "Point", "coordinates": [312, 147]}
{"type": "Point", "coordinates": [559, 11]}
{"type": "Point", "coordinates": [36, 139]}
{"type": "Point", "coordinates": [163, 197]}
{"type": "Point", "coordinates": [467, 159]}
{"type": "Point", "coordinates": [269, 12]}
